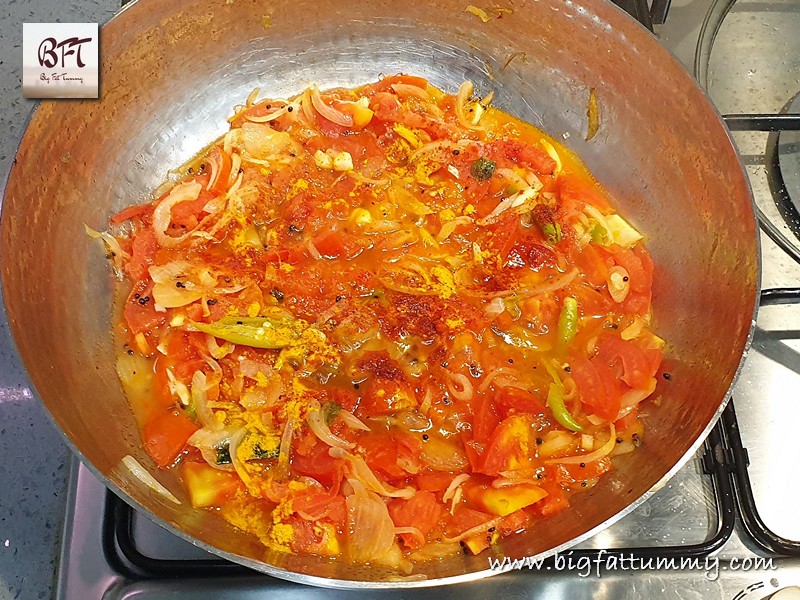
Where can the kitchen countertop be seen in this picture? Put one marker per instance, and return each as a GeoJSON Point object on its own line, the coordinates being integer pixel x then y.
{"type": "Point", "coordinates": [32, 470]}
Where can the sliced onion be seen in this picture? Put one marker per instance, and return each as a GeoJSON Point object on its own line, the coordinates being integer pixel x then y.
{"type": "Point", "coordinates": [473, 531]}
{"type": "Point", "coordinates": [286, 442]}
{"type": "Point", "coordinates": [521, 202]}
{"type": "Point", "coordinates": [178, 388]}
{"type": "Point", "coordinates": [208, 441]}
{"type": "Point", "coordinates": [169, 296]}
{"type": "Point", "coordinates": [411, 531]}
{"type": "Point", "coordinates": [490, 376]}
{"type": "Point", "coordinates": [251, 97]}
{"type": "Point", "coordinates": [237, 385]}
{"type": "Point", "coordinates": [450, 226]}
{"type": "Point", "coordinates": [633, 330]}
{"type": "Point", "coordinates": [457, 482]}
{"type": "Point", "coordinates": [214, 366]}
{"type": "Point", "coordinates": [252, 368]}
{"type": "Point", "coordinates": [216, 350]}
{"type": "Point", "coordinates": [370, 527]}
{"type": "Point", "coordinates": [553, 153]}
{"type": "Point", "coordinates": [361, 471]}
{"type": "Point", "coordinates": [503, 482]}
{"type": "Point", "coordinates": [435, 551]}
{"type": "Point", "coordinates": [236, 164]}
{"type": "Point", "coordinates": [166, 292]}
{"type": "Point", "coordinates": [455, 491]}
{"type": "Point", "coordinates": [552, 285]}
{"type": "Point", "coordinates": [364, 179]}
{"type": "Point", "coordinates": [138, 471]}
{"type": "Point", "coordinates": [409, 465]}
{"type": "Point", "coordinates": [229, 290]}
{"type": "Point", "coordinates": [232, 207]}
{"type": "Point", "coordinates": [512, 177]}
{"type": "Point", "coordinates": [495, 307]}
{"type": "Point", "coordinates": [162, 214]}
{"type": "Point", "coordinates": [631, 399]}
{"type": "Point", "coordinates": [405, 90]}
{"type": "Point", "coordinates": [329, 112]}
{"type": "Point", "coordinates": [555, 442]}
{"type": "Point", "coordinates": [570, 388]}
{"type": "Point", "coordinates": [412, 421]}
{"type": "Point", "coordinates": [255, 398]}
{"type": "Point", "coordinates": [352, 421]}
{"type": "Point", "coordinates": [214, 169]}
{"type": "Point", "coordinates": [263, 142]}
{"type": "Point", "coordinates": [307, 106]}
{"type": "Point", "coordinates": [601, 452]}
{"type": "Point", "coordinates": [274, 114]}
{"type": "Point", "coordinates": [169, 272]}
{"type": "Point", "coordinates": [619, 285]}
{"type": "Point", "coordinates": [383, 226]}
{"type": "Point", "coordinates": [442, 455]}
{"type": "Point", "coordinates": [426, 401]}
{"type": "Point", "coordinates": [456, 381]}
{"type": "Point", "coordinates": [432, 147]}
{"type": "Point", "coordinates": [595, 420]}
{"type": "Point", "coordinates": [533, 180]}
{"type": "Point", "coordinates": [318, 424]}
{"type": "Point", "coordinates": [200, 400]}
{"type": "Point", "coordinates": [112, 247]}
{"type": "Point", "coordinates": [233, 448]}
{"type": "Point", "coordinates": [464, 93]}
{"type": "Point", "coordinates": [230, 138]}
{"type": "Point", "coordinates": [312, 250]}
{"type": "Point", "coordinates": [406, 201]}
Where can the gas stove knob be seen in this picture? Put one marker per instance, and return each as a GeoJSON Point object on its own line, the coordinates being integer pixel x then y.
{"type": "Point", "coordinates": [788, 593]}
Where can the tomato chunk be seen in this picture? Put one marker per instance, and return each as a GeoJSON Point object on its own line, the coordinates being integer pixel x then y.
{"type": "Point", "coordinates": [422, 511]}
{"type": "Point", "coordinates": [166, 434]}
{"type": "Point", "coordinates": [598, 386]}
{"type": "Point", "coordinates": [139, 312]}
{"type": "Point", "coordinates": [506, 500]}
{"type": "Point", "coordinates": [507, 449]}
{"type": "Point", "coordinates": [209, 486]}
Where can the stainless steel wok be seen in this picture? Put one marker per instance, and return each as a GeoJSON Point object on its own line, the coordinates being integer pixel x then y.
{"type": "Point", "coordinates": [171, 72]}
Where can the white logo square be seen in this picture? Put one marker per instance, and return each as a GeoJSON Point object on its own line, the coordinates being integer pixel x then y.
{"type": "Point", "coordinates": [60, 60]}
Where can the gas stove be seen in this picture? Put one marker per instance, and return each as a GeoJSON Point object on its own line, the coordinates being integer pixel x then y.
{"type": "Point", "coordinates": [725, 526]}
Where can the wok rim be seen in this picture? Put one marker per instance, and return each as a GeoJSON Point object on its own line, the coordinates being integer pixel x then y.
{"type": "Point", "coordinates": [400, 583]}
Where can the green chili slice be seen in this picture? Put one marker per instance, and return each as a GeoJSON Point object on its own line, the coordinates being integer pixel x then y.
{"type": "Point", "coordinates": [568, 320]}
{"type": "Point", "coordinates": [257, 332]}
{"type": "Point", "coordinates": [555, 401]}
{"type": "Point", "coordinates": [544, 216]}
{"type": "Point", "coordinates": [552, 232]}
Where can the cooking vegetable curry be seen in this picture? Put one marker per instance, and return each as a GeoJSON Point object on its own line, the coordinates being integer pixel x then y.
{"type": "Point", "coordinates": [384, 324]}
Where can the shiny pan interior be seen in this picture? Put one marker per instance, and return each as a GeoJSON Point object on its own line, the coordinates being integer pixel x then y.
{"type": "Point", "coordinates": [171, 72]}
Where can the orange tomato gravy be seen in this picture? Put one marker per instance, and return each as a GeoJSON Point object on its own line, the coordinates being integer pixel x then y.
{"type": "Point", "coordinates": [459, 322]}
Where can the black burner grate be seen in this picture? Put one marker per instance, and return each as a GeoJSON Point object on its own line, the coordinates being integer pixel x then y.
{"type": "Point", "coordinates": [759, 532]}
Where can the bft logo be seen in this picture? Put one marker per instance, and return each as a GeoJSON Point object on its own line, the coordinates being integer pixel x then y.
{"type": "Point", "coordinates": [60, 60]}
{"type": "Point", "coordinates": [48, 57]}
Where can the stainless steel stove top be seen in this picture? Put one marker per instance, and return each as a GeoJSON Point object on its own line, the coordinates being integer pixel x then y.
{"type": "Point", "coordinates": [752, 67]}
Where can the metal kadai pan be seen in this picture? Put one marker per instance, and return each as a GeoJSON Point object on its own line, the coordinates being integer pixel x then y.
{"type": "Point", "coordinates": [171, 71]}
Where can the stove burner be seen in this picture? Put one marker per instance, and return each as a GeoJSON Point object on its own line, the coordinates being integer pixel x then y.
{"type": "Point", "coordinates": [783, 169]}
